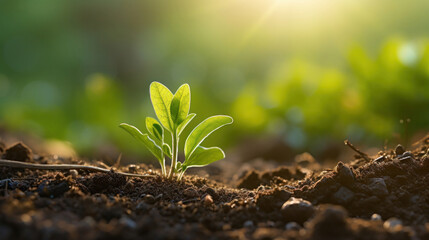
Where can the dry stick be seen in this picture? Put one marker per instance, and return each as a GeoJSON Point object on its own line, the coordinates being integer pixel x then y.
{"type": "Point", "coordinates": [362, 154]}
{"type": "Point", "coordinates": [16, 164]}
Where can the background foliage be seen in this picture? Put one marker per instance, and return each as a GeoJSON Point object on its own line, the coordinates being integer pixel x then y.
{"type": "Point", "coordinates": [308, 71]}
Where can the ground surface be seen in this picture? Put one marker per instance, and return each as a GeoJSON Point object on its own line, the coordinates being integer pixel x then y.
{"type": "Point", "coordinates": [385, 197]}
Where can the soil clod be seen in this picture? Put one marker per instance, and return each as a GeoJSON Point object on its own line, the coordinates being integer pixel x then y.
{"type": "Point", "coordinates": [19, 152]}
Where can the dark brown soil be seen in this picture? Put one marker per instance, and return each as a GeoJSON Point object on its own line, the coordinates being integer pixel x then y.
{"type": "Point", "coordinates": [385, 198]}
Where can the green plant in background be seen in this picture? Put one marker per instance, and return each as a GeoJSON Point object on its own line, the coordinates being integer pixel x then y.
{"type": "Point", "coordinates": [172, 112]}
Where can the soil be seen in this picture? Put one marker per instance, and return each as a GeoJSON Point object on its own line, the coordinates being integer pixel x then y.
{"type": "Point", "coordinates": [385, 197]}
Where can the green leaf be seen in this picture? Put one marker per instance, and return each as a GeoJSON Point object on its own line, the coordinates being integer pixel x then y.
{"type": "Point", "coordinates": [161, 100]}
{"type": "Point", "coordinates": [143, 138]}
{"type": "Point", "coordinates": [203, 130]}
{"type": "Point", "coordinates": [184, 123]}
{"type": "Point", "coordinates": [167, 150]}
{"type": "Point", "coordinates": [155, 129]}
{"type": "Point", "coordinates": [204, 156]}
{"type": "Point", "coordinates": [180, 104]}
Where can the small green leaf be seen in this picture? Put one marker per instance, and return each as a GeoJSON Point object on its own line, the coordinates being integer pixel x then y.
{"type": "Point", "coordinates": [204, 156]}
{"type": "Point", "coordinates": [179, 107]}
{"type": "Point", "coordinates": [161, 98]}
{"type": "Point", "coordinates": [203, 130]}
{"type": "Point", "coordinates": [167, 150]}
{"type": "Point", "coordinates": [154, 128]}
{"type": "Point", "coordinates": [143, 138]}
{"type": "Point", "coordinates": [184, 123]}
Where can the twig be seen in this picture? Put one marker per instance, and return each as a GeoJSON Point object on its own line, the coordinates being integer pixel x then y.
{"type": "Point", "coordinates": [16, 164]}
{"type": "Point", "coordinates": [362, 154]}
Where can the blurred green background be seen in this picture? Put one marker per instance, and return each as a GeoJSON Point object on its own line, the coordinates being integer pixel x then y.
{"type": "Point", "coordinates": [309, 72]}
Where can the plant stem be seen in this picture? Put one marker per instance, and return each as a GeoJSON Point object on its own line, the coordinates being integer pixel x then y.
{"type": "Point", "coordinates": [175, 152]}
{"type": "Point", "coordinates": [181, 175]}
{"type": "Point", "coordinates": [163, 167]}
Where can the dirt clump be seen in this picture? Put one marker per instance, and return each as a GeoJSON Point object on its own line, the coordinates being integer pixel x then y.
{"type": "Point", "coordinates": [18, 152]}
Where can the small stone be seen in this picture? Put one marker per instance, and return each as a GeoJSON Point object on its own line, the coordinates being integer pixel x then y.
{"type": "Point", "coordinates": [132, 168]}
{"type": "Point", "coordinates": [248, 224]}
{"type": "Point", "coordinates": [375, 217]}
{"type": "Point", "coordinates": [191, 193]}
{"type": "Point", "coordinates": [343, 195]}
{"type": "Point", "coordinates": [378, 187]}
{"type": "Point", "coordinates": [297, 210]}
{"type": "Point", "coordinates": [207, 200]}
{"type": "Point", "coordinates": [149, 199]}
{"type": "Point", "coordinates": [74, 173]}
{"type": "Point", "coordinates": [212, 193]}
{"type": "Point", "coordinates": [19, 152]}
{"type": "Point", "coordinates": [399, 150]}
{"type": "Point", "coordinates": [392, 224]}
{"type": "Point", "coordinates": [345, 174]}
{"type": "Point", "coordinates": [292, 226]}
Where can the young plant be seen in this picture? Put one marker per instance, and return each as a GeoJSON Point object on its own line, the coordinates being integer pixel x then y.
{"type": "Point", "coordinates": [172, 112]}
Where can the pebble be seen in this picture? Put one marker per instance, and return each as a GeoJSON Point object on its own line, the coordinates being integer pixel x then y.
{"type": "Point", "coordinates": [292, 226]}
{"type": "Point", "coordinates": [343, 195]}
{"type": "Point", "coordinates": [297, 210]}
{"type": "Point", "coordinates": [74, 173]}
{"type": "Point", "coordinates": [378, 187]}
{"type": "Point", "coordinates": [399, 150]}
{"type": "Point", "coordinates": [392, 224]}
{"type": "Point", "coordinates": [19, 152]}
{"type": "Point", "coordinates": [345, 174]}
{"type": "Point", "coordinates": [149, 199]}
{"type": "Point", "coordinates": [207, 200]}
{"type": "Point", "coordinates": [132, 168]}
{"type": "Point", "coordinates": [375, 217]}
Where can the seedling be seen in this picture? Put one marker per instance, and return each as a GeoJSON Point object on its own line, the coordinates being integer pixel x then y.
{"type": "Point", "coordinates": [172, 112]}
